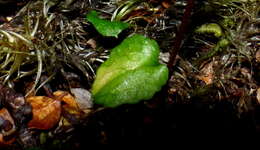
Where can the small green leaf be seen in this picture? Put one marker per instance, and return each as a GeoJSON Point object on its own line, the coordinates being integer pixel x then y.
{"type": "Point", "coordinates": [132, 73]}
{"type": "Point", "coordinates": [105, 27]}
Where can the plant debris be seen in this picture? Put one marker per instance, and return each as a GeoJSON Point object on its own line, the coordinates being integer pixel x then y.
{"type": "Point", "coordinates": [50, 55]}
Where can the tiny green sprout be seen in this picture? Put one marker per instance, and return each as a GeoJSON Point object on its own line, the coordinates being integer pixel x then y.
{"type": "Point", "coordinates": [106, 27]}
{"type": "Point", "coordinates": [223, 43]}
{"type": "Point", "coordinates": [210, 28]}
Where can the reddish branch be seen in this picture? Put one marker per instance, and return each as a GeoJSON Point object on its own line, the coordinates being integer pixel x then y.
{"type": "Point", "coordinates": [180, 35]}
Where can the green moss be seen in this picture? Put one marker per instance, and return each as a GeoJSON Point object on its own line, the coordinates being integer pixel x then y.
{"type": "Point", "coordinates": [211, 28]}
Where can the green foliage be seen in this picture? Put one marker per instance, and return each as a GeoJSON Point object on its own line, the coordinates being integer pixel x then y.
{"type": "Point", "coordinates": [105, 27]}
{"type": "Point", "coordinates": [132, 73]}
{"type": "Point", "coordinates": [216, 30]}
{"type": "Point", "coordinates": [211, 28]}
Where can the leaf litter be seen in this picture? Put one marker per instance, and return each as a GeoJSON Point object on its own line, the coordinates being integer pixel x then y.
{"type": "Point", "coordinates": [48, 46]}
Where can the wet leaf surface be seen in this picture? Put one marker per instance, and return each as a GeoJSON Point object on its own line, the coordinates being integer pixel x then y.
{"type": "Point", "coordinates": [131, 74]}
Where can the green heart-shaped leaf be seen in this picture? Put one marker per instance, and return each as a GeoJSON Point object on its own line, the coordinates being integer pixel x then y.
{"type": "Point", "coordinates": [132, 73]}
{"type": "Point", "coordinates": [105, 27]}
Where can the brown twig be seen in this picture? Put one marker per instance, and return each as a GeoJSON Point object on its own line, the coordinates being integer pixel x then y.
{"type": "Point", "coordinates": [180, 35]}
{"type": "Point", "coordinates": [178, 43]}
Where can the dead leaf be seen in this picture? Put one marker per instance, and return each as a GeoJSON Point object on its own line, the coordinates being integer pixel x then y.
{"type": "Point", "coordinates": [207, 73]}
{"type": "Point", "coordinates": [81, 101]}
{"type": "Point", "coordinates": [74, 107]}
{"type": "Point", "coordinates": [257, 56]}
{"type": "Point", "coordinates": [83, 98]}
{"type": "Point", "coordinates": [166, 4]}
{"type": "Point", "coordinates": [67, 98]}
{"type": "Point", "coordinates": [4, 142]}
{"type": "Point", "coordinates": [71, 110]}
{"type": "Point", "coordinates": [70, 107]}
{"type": "Point", "coordinates": [46, 112]}
{"type": "Point", "coordinates": [92, 43]}
{"type": "Point", "coordinates": [7, 127]}
{"type": "Point", "coordinates": [258, 95]}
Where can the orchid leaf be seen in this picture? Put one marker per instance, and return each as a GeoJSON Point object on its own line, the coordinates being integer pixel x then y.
{"type": "Point", "coordinates": [131, 74]}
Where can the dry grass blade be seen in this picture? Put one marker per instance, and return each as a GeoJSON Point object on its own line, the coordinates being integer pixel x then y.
{"type": "Point", "coordinates": [124, 9]}
{"type": "Point", "coordinates": [43, 39]}
{"type": "Point", "coordinates": [39, 72]}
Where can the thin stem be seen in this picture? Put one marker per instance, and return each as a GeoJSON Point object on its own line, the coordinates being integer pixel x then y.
{"type": "Point", "coordinates": [177, 45]}
{"type": "Point", "coordinates": [180, 35]}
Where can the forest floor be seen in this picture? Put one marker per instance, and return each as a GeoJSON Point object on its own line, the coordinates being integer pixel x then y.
{"type": "Point", "coordinates": [50, 54]}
